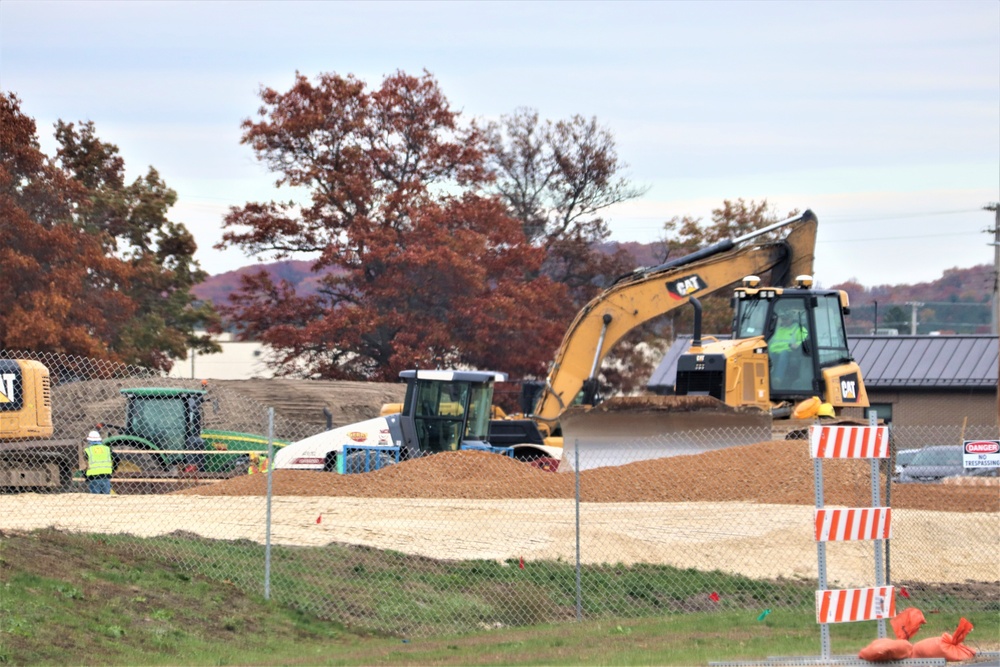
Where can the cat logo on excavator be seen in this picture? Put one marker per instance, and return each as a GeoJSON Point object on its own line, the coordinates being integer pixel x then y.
{"type": "Point", "coordinates": [7, 387]}
{"type": "Point", "coordinates": [686, 286]}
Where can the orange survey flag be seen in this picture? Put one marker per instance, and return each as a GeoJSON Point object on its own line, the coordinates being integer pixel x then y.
{"type": "Point", "coordinates": [947, 646]}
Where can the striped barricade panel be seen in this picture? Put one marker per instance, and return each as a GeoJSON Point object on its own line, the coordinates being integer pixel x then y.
{"type": "Point", "coordinates": [855, 523]}
{"type": "Point", "coordinates": [849, 442]}
{"type": "Point", "coordinates": [855, 604]}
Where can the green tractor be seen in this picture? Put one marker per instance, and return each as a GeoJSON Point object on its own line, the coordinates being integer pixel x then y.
{"type": "Point", "coordinates": [163, 429]}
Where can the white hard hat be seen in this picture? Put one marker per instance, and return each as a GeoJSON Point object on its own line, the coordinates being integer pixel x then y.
{"type": "Point", "coordinates": [93, 436]}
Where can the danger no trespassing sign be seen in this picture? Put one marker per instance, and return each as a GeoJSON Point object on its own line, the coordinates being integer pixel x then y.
{"type": "Point", "coordinates": [981, 454]}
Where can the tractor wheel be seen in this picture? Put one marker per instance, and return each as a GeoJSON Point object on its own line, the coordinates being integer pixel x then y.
{"type": "Point", "coordinates": [140, 464]}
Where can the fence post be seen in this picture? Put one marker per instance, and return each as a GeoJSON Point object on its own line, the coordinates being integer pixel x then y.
{"type": "Point", "coordinates": [267, 516]}
{"type": "Point", "coordinates": [890, 471]}
{"type": "Point", "coordinates": [576, 475]}
{"type": "Point", "coordinates": [880, 573]}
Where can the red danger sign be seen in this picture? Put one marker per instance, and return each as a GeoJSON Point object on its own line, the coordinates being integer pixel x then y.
{"type": "Point", "coordinates": [981, 454]}
{"type": "Point", "coordinates": [982, 447]}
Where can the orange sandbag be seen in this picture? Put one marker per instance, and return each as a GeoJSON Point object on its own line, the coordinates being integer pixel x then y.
{"type": "Point", "coordinates": [886, 650]}
{"type": "Point", "coordinates": [907, 622]}
{"type": "Point", "coordinates": [946, 646]}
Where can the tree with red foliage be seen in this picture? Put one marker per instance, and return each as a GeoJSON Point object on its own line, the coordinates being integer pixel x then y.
{"type": "Point", "coordinates": [92, 267]}
{"type": "Point", "coordinates": [427, 270]}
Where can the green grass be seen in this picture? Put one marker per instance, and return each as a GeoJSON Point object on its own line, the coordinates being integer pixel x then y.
{"type": "Point", "coordinates": [119, 600]}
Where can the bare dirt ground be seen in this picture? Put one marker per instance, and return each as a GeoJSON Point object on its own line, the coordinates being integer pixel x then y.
{"type": "Point", "coordinates": [746, 510]}
{"type": "Point", "coordinates": [304, 400]}
{"type": "Point", "coordinates": [687, 511]}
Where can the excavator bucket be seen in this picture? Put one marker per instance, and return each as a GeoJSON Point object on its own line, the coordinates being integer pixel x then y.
{"type": "Point", "coordinates": [634, 428]}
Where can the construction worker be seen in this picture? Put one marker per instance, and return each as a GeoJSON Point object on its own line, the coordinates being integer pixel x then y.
{"type": "Point", "coordinates": [258, 464]}
{"type": "Point", "coordinates": [787, 338]}
{"type": "Point", "coordinates": [99, 464]}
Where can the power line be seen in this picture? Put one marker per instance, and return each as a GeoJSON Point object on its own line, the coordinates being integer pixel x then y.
{"type": "Point", "coordinates": [899, 238]}
{"type": "Point", "coordinates": [846, 218]}
{"type": "Point", "coordinates": [897, 216]}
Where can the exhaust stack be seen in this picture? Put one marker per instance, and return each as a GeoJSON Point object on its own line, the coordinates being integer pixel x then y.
{"type": "Point", "coordinates": [696, 335]}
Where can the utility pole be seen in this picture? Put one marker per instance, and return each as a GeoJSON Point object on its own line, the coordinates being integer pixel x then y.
{"type": "Point", "coordinates": [913, 316]}
{"type": "Point", "coordinates": [995, 319]}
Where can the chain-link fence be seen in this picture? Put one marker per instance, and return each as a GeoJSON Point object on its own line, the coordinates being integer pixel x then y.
{"type": "Point", "coordinates": [704, 520]}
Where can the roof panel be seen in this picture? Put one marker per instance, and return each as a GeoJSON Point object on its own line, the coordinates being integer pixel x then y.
{"type": "Point", "coordinates": [874, 350]}
{"type": "Point", "coordinates": [987, 356]}
{"type": "Point", "coordinates": [938, 356]}
{"type": "Point", "coordinates": [902, 358]}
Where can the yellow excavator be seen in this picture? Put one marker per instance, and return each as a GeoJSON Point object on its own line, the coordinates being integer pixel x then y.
{"type": "Point", "coordinates": [718, 384]}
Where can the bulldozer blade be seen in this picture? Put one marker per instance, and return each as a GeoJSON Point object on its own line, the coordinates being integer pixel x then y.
{"type": "Point", "coordinates": [635, 428]}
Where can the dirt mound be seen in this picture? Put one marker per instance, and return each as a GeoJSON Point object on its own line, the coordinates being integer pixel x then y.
{"type": "Point", "coordinates": [304, 400]}
{"type": "Point", "coordinates": [778, 472]}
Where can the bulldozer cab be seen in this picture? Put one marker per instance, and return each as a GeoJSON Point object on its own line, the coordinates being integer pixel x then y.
{"type": "Point", "coordinates": [446, 410]}
{"type": "Point", "coordinates": [805, 334]}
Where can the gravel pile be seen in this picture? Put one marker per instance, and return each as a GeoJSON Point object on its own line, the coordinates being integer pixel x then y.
{"type": "Point", "coordinates": [777, 472]}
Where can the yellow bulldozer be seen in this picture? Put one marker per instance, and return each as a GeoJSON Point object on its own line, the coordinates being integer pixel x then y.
{"type": "Point", "coordinates": [720, 382]}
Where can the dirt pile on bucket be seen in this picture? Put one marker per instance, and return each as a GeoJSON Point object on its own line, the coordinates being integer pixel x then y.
{"type": "Point", "coordinates": [779, 472]}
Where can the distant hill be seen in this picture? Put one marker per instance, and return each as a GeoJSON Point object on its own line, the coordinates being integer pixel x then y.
{"type": "Point", "coordinates": [298, 272]}
{"type": "Point", "coordinates": [974, 284]}
{"type": "Point", "coordinates": [949, 299]}
{"type": "Point", "coordinates": [960, 302]}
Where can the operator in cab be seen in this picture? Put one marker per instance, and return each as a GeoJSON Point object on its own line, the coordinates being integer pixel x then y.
{"type": "Point", "coordinates": [785, 343]}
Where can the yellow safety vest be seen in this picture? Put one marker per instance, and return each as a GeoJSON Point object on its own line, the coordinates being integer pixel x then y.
{"type": "Point", "coordinates": [98, 460]}
{"type": "Point", "coordinates": [785, 337]}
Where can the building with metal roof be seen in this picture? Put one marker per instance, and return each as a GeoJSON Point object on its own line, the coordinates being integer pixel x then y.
{"type": "Point", "coordinates": [939, 362]}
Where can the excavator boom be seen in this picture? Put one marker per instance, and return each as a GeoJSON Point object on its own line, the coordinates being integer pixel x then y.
{"type": "Point", "coordinates": [648, 293]}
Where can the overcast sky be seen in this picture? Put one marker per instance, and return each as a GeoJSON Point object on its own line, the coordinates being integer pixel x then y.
{"type": "Point", "coordinates": [882, 117]}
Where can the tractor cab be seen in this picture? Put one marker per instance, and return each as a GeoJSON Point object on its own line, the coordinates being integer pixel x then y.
{"type": "Point", "coordinates": [168, 418]}
{"type": "Point", "coordinates": [447, 410]}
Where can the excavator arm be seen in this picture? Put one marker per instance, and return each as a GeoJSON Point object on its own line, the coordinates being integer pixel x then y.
{"type": "Point", "coordinates": [648, 293]}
